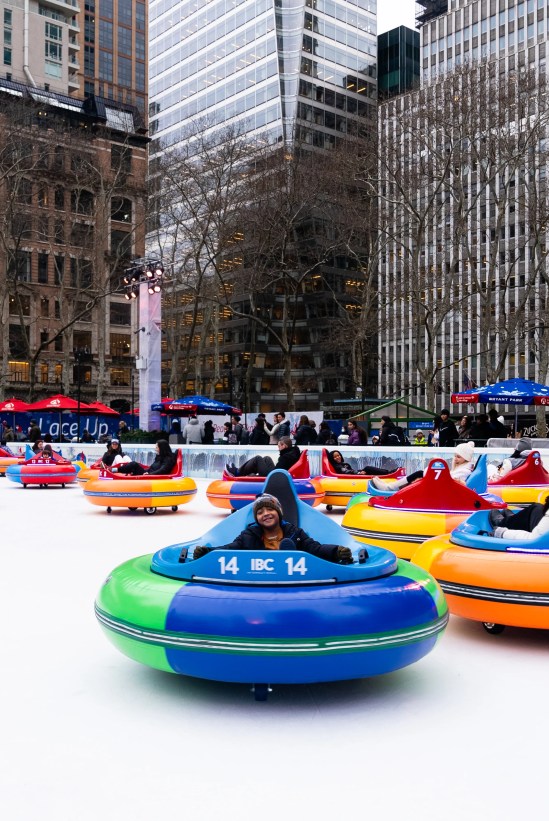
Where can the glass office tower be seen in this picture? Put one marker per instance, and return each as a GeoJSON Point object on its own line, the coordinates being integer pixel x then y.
{"type": "Point", "coordinates": [279, 68]}
{"type": "Point", "coordinates": [398, 61]}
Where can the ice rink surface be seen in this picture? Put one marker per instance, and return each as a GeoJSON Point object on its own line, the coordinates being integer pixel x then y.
{"type": "Point", "coordinates": [88, 734]}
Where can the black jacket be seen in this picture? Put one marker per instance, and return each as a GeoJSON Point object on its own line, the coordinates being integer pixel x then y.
{"type": "Point", "coordinates": [288, 457]}
{"type": "Point", "coordinates": [305, 435]}
{"type": "Point", "coordinates": [259, 436]}
{"type": "Point", "coordinates": [250, 539]}
{"type": "Point", "coordinates": [162, 466]}
{"type": "Point", "coordinates": [447, 434]}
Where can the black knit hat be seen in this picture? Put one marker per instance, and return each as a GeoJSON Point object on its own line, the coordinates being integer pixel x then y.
{"type": "Point", "coordinates": [266, 500]}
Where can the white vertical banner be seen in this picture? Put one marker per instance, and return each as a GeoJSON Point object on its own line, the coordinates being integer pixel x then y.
{"type": "Point", "coordinates": [150, 356]}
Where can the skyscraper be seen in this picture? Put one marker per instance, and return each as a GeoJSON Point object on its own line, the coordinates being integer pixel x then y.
{"type": "Point", "coordinates": [397, 61]}
{"type": "Point", "coordinates": [463, 276]}
{"type": "Point", "coordinates": [280, 71]}
{"type": "Point", "coordinates": [278, 67]}
{"type": "Point", "coordinates": [113, 40]}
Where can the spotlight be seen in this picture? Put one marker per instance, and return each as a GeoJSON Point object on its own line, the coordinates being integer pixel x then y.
{"type": "Point", "coordinates": [126, 280]}
{"type": "Point", "coordinates": [151, 288]}
{"type": "Point", "coordinates": [159, 270]}
{"type": "Point", "coordinates": [149, 271]}
{"type": "Point", "coordinates": [134, 293]}
{"type": "Point", "coordinates": [157, 288]}
{"type": "Point", "coordinates": [127, 295]}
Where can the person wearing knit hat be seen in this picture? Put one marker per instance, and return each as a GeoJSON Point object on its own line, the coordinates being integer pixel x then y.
{"type": "Point", "coordinates": [269, 531]}
{"type": "Point", "coordinates": [462, 465]}
{"type": "Point", "coordinates": [267, 501]}
{"type": "Point", "coordinates": [520, 454]}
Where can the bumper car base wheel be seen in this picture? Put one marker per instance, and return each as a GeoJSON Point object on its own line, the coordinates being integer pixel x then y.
{"type": "Point", "coordinates": [494, 629]}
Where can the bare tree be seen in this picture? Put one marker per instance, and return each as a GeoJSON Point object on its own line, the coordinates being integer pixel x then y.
{"type": "Point", "coordinates": [453, 163]}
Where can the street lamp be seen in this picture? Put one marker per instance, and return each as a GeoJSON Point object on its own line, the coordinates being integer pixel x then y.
{"type": "Point", "coordinates": [79, 355]}
{"type": "Point", "coordinates": [229, 369]}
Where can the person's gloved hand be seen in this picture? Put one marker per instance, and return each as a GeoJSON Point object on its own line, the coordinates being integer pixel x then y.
{"type": "Point", "coordinates": [344, 555]}
{"type": "Point", "coordinates": [200, 551]}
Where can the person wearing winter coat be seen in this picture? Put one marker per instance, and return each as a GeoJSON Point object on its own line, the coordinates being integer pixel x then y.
{"type": "Point", "coordinates": [259, 435]}
{"type": "Point", "coordinates": [162, 465]}
{"type": "Point", "coordinates": [326, 435]}
{"type": "Point", "coordinates": [357, 435]}
{"type": "Point", "coordinates": [288, 455]}
{"type": "Point", "coordinates": [271, 532]}
{"type": "Point", "coordinates": [515, 460]}
{"type": "Point", "coordinates": [499, 431]}
{"type": "Point", "coordinates": [114, 451]}
{"type": "Point", "coordinates": [208, 437]}
{"type": "Point", "coordinates": [447, 432]}
{"type": "Point", "coordinates": [280, 428]}
{"type": "Point", "coordinates": [305, 434]}
{"type": "Point", "coordinates": [192, 432]}
{"type": "Point", "coordinates": [460, 470]}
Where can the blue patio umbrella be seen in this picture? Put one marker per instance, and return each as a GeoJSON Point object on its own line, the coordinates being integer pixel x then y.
{"type": "Point", "coordinates": [509, 392]}
{"type": "Point", "coordinates": [194, 404]}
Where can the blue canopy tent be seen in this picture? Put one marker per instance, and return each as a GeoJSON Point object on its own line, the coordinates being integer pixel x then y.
{"type": "Point", "coordinates": [194, 404]}
{"type": "Point", "coordinates": [509, 392]}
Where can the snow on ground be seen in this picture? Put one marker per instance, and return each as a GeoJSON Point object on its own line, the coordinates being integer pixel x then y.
{"type": "Point", "coordinates": [89, 734]}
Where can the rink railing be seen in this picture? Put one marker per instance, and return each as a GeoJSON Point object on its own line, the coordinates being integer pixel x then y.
{"type": "Point", "coordinates": [207, 462]}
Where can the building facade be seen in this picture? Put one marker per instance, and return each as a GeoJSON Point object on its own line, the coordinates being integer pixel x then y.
{"type": "Point", "coordinates": [40, 43]}
{"type": "Point", "coordinates": [282, 73]}
{"type": "Point", "coordinates": [113, 46]}
{"type": "Point", "coordinates": [397, 61]}
{"type": "Point", "coordinates": [463, 293]}
{"type": "Point", "coordinates": [72, 174]}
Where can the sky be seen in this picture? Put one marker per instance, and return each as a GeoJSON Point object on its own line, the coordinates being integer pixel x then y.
{"type": "Point", "coordinates": [392, 13]}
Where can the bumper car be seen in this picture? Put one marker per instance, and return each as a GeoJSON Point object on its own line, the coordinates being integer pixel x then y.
{"type": "Point", "coordinates": [523, 485]}
{"type": "Point", "coordinates": [8, 458]}
{"type": "Point", "coordinates": [118, 490]}
{"type": "Point", "coordinates": [272, 617]}
{"type": "Point", "coordinates": [339, 488]}
{"type": "Point", "coordinates": [42, 471]}
{"type": "Point", "coordinates": [88, 472]}
{"type": "Point", "coordinates": [404, 519]}
{"type": "Point", "coordinates": [494, 581]}
{"type": "Point", "coordinates": [235, 492]}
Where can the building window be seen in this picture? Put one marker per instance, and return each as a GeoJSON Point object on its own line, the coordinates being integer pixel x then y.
{"type": "Point", "coordinates": [59, 262]}
{"type": "Point", "coordinates": [125, 11]}
{"type": "Point", "coordinates": [140, 76]}
{"type": "Point", "coordinates": [7, 56]}
{"type": "Point", "coordinates": [43, 268]}
{"type": "Point", "coordinates": [18, 371]}
{"type": "Point", "coordinates": [120, 377]}
{"type": "Point", "coordinates": [19, 265]}
{"type": "Point", "coordinates": [121, 313]}
{"type": "Point", "coordinates": [21, 303]}
{"type": "Point", "coordinates": [105, 34]}
{"type": "Point", "coordinates": [57, 309]}
{"type": "Point", "coordinates": [7, 17]}
{"type": "Point", "coordinates": [120, 345]}
{"type": "Point", "coordinates": [121, 244]}
{"type": "Point", "coordinates": [44, 374]}
{"type": "Point", "coordinates": [125, 71]}
{"type": "Point", "coordinates": [17, 343]}
{"type": "Point", "coordinates": [121, 158]}
{"type": "Point", "coordinates": [58, 344]}
{"type": "Point", "coordinates": [81, 273]}
{"type": "Point", "coordinates": [105, 65]}
{"type": "Point", "coordinates": [44, 307]}
{"type": "Point", "coordinates": [89, 63]}
{"type": "Point", "coordinates": [58, 374]}
{"type": "Point", "coordinates": [125, 41]}
{"type": "Point", "coordinates": [105, 8]}
{"type": "Point", "coordinates": [121, 209]}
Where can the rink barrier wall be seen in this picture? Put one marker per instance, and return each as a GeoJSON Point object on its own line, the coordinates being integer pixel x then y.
{"type": "Point", "coordinates": [208, 461]}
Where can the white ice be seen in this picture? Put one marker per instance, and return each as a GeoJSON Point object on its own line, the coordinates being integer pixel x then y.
{"type": "Point", "coordinates": [88, 734]}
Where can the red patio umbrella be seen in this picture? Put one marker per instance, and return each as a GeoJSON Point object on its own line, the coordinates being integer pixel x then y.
{"type": "Point", "coordinates": [99, 408]}
{"type": "Point", "coordinates": [13, 406]}
{"type": "Point", "coordinates": [60, 403]}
